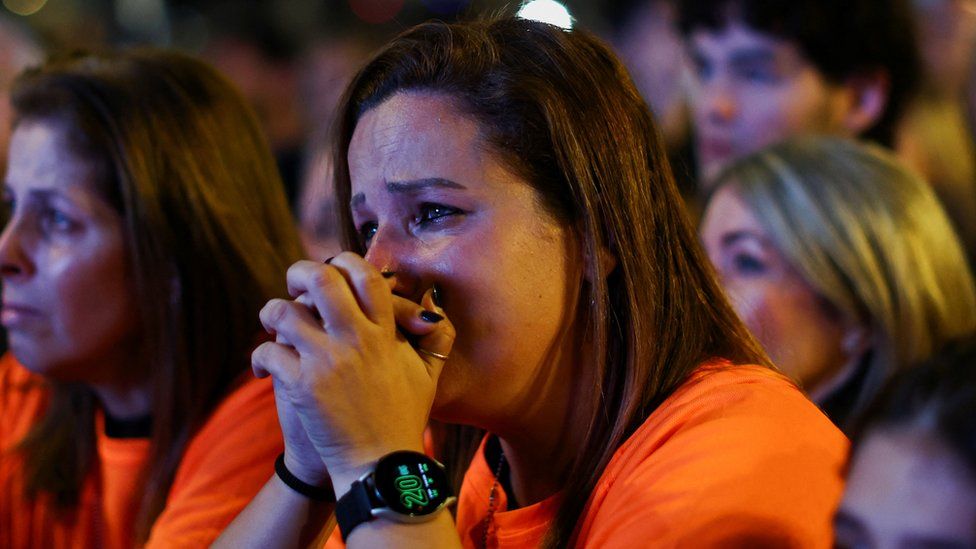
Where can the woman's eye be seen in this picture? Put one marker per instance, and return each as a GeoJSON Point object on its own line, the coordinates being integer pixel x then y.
{"type": "Point", "coordinates": [366, 232]}
{"type": "Point", "coordinates": [758, 74]}
{"type": "Point", "coordinates": [57, 221]}
{"type": "Point", "coordinates": [430, 212]}
{"type": "Point", "coordinates": [703, 69]}
{"type": "Point", "coordinates": [745, 264]}
{"type": "Point", "coordinates": [7, 206]}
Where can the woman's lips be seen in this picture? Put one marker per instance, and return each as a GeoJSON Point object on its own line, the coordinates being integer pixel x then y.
{"type": "Point", "coordinates": [13, 314]}
{"type": "Point", "coordinates": [713, 149]}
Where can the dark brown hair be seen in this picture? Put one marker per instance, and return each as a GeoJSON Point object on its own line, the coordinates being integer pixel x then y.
{"type": "Point", "coordinates": [936, 397]}
{"type": "Point", "coordinates": [843, 39]}
{"type": "Point", "coordinates": [175, 149]}
{"type": "Point", "coordinates": [562, 112]}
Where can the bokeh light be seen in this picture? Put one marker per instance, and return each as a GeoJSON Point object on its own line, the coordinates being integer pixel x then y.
{"type": "Point", "coordinates": [24, 7]}
{"type": "Point", "coordinates": [547, 11]}
{"type": "Point", "coordinates": [376, 11]}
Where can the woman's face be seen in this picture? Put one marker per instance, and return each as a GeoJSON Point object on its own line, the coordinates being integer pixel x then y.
{"type": "Point", "coordinates": [434, 205]}
{"type": "Point", "coordinates": [907, 488]}
{"type": "Point", "coordinates": [781, 309]}
{"type": "Point", "coordinates": [67, 299]}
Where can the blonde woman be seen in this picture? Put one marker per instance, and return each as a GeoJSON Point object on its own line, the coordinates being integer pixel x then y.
{"type": "Point", "coordinates": [841, 262]}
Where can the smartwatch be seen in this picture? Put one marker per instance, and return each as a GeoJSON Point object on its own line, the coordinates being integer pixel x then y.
{"type": "Point", "coordinates": [404, 486]}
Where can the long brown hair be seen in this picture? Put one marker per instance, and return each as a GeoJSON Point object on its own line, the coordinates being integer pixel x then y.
{"type": "Point", "coordinates": [175, 149]}
{"type": "Point", "coordinates": [561, 110]}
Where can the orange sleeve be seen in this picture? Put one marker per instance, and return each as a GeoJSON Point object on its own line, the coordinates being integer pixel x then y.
{"type": "Point", "coordinates": [224, 467]}
{"type": "Point", "coordinates": [750, 464]}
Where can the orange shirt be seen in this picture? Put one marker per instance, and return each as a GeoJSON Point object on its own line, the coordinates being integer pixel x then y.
{"type": "Point", "coordinates": [736, 457]}
{"type": "Point", "coordinates": [225, 464]}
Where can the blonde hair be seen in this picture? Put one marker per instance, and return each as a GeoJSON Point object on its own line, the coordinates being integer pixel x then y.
{"type": "Point", "coordinates": [871, 238]}
{"type": "Point", "coordinates": [936, 141]}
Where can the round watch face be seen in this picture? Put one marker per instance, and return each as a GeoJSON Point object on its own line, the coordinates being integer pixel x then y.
{"type": "Point", "coordinates": [411, 483]}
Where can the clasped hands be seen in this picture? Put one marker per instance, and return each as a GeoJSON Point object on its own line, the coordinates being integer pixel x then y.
{"type": "Point", "coordinates": [350, 385]}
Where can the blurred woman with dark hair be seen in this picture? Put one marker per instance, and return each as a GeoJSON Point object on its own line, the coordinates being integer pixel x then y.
{"type": "Point", "coordinates": [147, 228]}
{"type": "Point", "coordinates": [912, 479]}
{"type": "Point", "coordinates": [504, 181]}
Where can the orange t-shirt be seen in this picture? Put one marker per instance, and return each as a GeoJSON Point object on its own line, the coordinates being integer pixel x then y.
{"type": "Point", "coordinates": [225, 465]}
{"type": "Point", "coordinates": [736, 457]}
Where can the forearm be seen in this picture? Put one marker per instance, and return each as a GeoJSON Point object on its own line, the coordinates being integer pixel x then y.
{"type": "Point", "coordinates": [438, 533]}
{"type": "Point", "coordinates": [279, 517]}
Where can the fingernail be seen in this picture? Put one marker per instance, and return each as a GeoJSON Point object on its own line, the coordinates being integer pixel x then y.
{"type": "Point", "coordinates": [388, 274]}
{"type": "Point", "coordinates": [431, 316]}
{"type": "Point", "coordinates": [435, 294]}
{"type": "Point", "coordinates": [329, 261]}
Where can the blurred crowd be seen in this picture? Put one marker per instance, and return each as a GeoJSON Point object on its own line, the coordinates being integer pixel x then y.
{"type": "Point", "coordinates": [825, 148]}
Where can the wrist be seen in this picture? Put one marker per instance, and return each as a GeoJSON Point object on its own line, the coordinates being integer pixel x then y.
{"type": "Point", "coordinates": [345, 472]}
{"type": "Point", "coordinates": [404, 486]}
{"type": "Point", "coordinates": [313, 476]}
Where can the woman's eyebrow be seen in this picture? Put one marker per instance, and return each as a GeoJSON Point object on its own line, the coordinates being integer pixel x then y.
{"type": "Point", "coordinates": [410, 186]}
{"type": "Point", "coordinates": [419, 184]}
{"type": "Point", "coordinates": [41, 196]}
{"type": "Point", "coordinates": [738, 236]}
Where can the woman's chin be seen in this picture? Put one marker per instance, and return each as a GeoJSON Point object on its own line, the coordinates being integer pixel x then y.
{"type": "Point", "coordinates": [35, 360]}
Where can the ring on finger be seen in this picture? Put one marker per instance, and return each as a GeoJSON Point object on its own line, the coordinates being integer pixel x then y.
{"type": "Point", "coordinates": [431, 353]}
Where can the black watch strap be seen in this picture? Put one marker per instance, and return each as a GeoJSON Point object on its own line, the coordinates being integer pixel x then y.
{"type": "Point", "coordinates": [353, 509]}
{"type": "Point", "coordinates": [316, 493]}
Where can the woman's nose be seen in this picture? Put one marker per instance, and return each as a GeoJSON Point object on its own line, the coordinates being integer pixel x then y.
{"type": "Point", "coordinates": [13, 258]}
{"type": "Point", "coordinates": [720, 103]}
{"type": "Point", "coordinates": [393, 256]}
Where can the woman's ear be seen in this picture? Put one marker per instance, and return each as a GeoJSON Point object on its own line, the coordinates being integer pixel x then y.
{"type": "Point", "coordinates": [867, 99]}
{"type": "Point", "coordinates": [856, 342]}
{"type": "Point", "coordinates": [607, 259]}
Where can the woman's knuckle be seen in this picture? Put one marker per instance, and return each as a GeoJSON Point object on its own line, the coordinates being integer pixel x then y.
{"type": "Point", "coordinates": [448, 330]}
{"type": "Point", "coordinates": [281, 313]}
{"type": "Point", "coordinates": [372, 279]}
{"type": "Point", "coordinates": [323, 277]}
{"type": "Point", "coordinates": [271, 313]}
{"type": "Point", "coordinates": [261, 354]}
{"type": "Point", "coordinates": [294, 269]}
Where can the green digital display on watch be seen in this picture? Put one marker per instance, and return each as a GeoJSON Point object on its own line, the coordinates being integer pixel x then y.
{"type": "Point", "coordinates": [410, 483]}
{"type": "Point", "coordinates": [404, 486]}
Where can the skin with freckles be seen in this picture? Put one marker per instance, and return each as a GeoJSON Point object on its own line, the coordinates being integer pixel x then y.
{"type": "Point", "coordinates": [433, 205]}
{"type": "Point", "coordinates": [779, 306]}
{"type": "Point", "coordinates": [68, 304]}
{"type": "Point", "coordinates": [751, 90]}
{"type": "Point", "coordinates": [907, 489]}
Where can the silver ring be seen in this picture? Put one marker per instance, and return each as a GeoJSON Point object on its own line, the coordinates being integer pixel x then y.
{"type": "Point", "coordinates": [431, 353]}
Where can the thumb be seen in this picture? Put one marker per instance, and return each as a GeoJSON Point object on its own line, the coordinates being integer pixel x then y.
{"type": "Point", "coordinates": [434, 347]}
